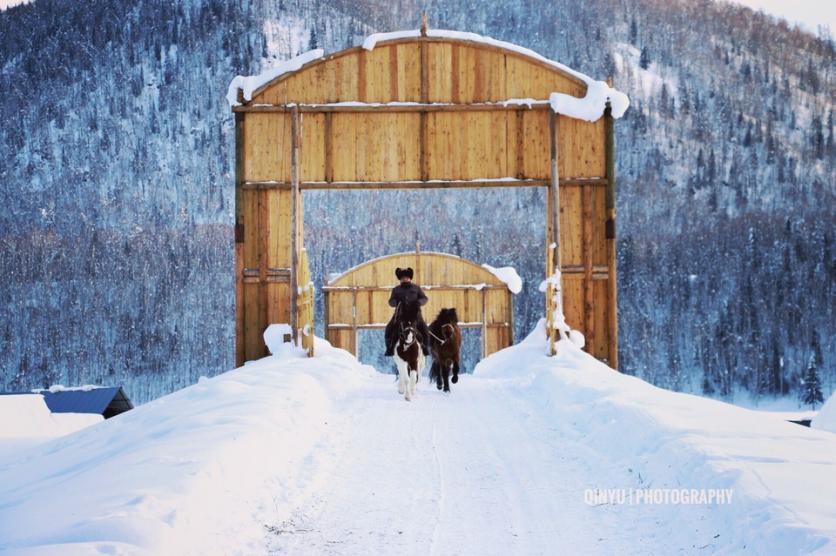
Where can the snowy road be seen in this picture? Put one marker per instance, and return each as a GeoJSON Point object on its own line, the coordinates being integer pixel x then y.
{"type": "Point", "coordinates": [475, 472]}
{"type": "Point", "coordinates": [290, 455]}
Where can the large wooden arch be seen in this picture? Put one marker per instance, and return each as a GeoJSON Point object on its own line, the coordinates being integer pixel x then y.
{"type": "Point", "coordinates": [422, 112]}
{"type": "Point", "coordinates": [358, 298]}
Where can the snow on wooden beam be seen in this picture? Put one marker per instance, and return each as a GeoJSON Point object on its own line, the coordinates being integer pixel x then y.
{"type": "Point", "coordinates": [396, 107]}
{"type": "Point", "coordinates": [418, 184]}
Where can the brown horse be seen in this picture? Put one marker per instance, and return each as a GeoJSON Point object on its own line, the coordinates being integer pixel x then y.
{"type": "Point", "coordinates": [445, 345]}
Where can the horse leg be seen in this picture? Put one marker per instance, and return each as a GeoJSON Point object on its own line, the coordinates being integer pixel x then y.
{"type": "Point", "coordinates": [446, 371]}
{"type": "Point", "coordinates": [455, 372]}
{"type": "Point", "coordinates": [413, 382]}
{"type": "Point", "coordinates": [402, 376]}
{"type": "Point", "coordinates": [407, 384]}
{"type": "Point", "coordinates": [435, 374]}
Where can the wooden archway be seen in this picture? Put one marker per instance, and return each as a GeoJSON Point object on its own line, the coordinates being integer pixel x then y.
{"type": "Point", "coordinates": [419, 111]}
{"type": "Point", "coordinates": [358, 299]}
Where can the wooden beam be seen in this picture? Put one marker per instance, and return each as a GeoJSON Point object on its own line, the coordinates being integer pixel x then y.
{"type": "Point", "coordinates": [382, 325]}
{"type": "Point", "coordinates": [294, 217]}
{"type": "Point", "coordinates": [457, 287]}
{"type": "Point", "coordinates": [422, 184]}
{"type": "Point", "coordinates": [423, 163]}
{"type": "Point", "coordinates": [326, 300]}
{"type": "Point", "coordinates": [484, 324]}
{"type": "Point", "coordinates": [612, 313]}
{"type": "Point", "coordinates": [240, 354]}
{"type": "Point", "coordinates": [396, 107]}
{"type": "Point", "coordinates": [555, 218]}
{"type": "Point", "coordinates": [354, 335]}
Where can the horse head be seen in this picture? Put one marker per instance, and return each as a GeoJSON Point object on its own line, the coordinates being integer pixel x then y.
{"type": "Point", "coordinates": [407, 333]}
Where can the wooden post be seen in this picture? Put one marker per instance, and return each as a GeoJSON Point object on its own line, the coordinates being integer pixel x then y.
{"type": "Point", "coordinates": [417, 262]}
{"type": "Point", "coordinates": [294, 220]}
{"type": "Point", "coordinates": [326, 317]}
{"type": "Point", "coordinates": [612, 313]}
{"type": "Point", "coordinates": [423, 24]}
{"type": "Point", "coordinates": [555, 219]}
{"type": "Point", "coordinates": [423, 163]}
{"type": "Point", "coordinates": [240, 354]}
{"type": "Point", "coordinates": [550, 304]}
{"type": "Point", "coordinates": [355, 348]}
{"type": "Point", "coordinates": [484, 325]}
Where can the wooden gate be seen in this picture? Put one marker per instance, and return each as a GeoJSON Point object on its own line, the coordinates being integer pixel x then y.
{"type": "Point", "coordinates": [425, 110]}
{"type": "Point", "coordinates": [358, 299]}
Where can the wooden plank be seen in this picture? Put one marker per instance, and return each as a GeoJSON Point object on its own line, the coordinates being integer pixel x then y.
{"type": "Point", "coordinates": [266, 136]}
{"type": "Point", "coordinates": [240, 353]}
{"type": "Point", "coordinates": [587, 212]}
{"type": "Point", "coordinates": [519, 136]}
{"type": "Point", "coordinates": [361, 76]}
{"type": "Point", "coordinates": [253, 325]}
{"type": "Point", "coordinates": [328, 147]}
{"type": "Point", "coordinates": [394, 74]}
{"type": "Point", "coordinates": [610, 235]}
{"type": "Point", "coordinates": [263, 254]}
{"type": "Point", "coordinates": [311, 167]}
{"type": "Point", "coordinates": [294, 243]}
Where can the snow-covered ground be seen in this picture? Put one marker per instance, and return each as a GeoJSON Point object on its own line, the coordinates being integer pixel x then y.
{"type": "Point", "coordinates": [826, 418]}
{"type": "Point", "coordinates": [322, 456]}
{"type": "Point", "coordinates": [26, 421]}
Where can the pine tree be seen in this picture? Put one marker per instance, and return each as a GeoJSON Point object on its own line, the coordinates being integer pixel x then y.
{"type": "Point", "coordinates": [644, 58]}
{"type": "Point", "coordinates": [811, 386]}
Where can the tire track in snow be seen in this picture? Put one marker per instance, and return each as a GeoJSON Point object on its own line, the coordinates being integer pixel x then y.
{"type": "Point", "coordinates": [479, 471]}
{"type": "Point", "coordinates": [441, 485]}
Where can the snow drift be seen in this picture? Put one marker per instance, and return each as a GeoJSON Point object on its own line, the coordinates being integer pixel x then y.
{"type": "Point", "coordinates": [825, 419]}
{"type": "Point", "coordinates": [179, 474]}
{"type": "Point", "coordinates": [781, 473]}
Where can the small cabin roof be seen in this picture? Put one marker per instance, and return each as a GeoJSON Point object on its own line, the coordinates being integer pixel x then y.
{"type": "Point", "coordinates": [107, 401]}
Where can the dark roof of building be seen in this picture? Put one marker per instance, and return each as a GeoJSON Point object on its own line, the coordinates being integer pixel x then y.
{"type": "Point", "coordinates": [108, 401]}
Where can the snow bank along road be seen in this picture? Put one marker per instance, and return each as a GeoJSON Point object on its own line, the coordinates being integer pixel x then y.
{"type": "Point", "coordinates": [322, 456]}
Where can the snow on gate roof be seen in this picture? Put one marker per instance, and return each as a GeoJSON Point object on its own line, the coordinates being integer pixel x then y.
{"type": "Point", "coordinates": [590, 107]}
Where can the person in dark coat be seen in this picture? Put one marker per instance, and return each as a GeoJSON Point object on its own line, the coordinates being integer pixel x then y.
{"type": "Point", "coordinates": [407, 299]}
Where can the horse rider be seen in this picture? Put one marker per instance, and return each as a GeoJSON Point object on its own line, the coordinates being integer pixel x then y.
{"type": "Point", "coordinates": [406, 295]}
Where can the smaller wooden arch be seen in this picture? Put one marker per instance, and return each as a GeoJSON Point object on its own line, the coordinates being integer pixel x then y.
{"type": "Point", "coordinates": [358, 298]}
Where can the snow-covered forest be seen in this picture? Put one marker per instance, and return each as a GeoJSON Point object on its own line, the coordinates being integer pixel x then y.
{"type": "Point", "coordinates": [116, 183]}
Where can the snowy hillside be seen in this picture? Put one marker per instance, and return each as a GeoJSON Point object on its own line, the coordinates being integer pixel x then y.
{"type": "Point", "coordinates": [295, 455]}
{"type": "Point", "coordinates": [116, 179]}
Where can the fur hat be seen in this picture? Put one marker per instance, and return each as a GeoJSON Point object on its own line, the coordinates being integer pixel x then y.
{"type": "Point", "coordinates": [401, 272]}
